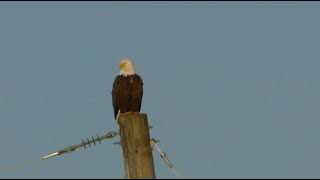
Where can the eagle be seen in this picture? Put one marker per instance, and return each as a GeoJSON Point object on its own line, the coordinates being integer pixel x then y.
{"type": "Point", "coordinates": [127, 90]}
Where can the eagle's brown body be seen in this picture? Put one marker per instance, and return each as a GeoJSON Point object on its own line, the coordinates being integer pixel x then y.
{"type": "Point", "coordinates": [127, 94]}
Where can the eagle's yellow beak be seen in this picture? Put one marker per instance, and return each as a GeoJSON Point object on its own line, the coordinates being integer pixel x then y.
{"type": "Point", "coordinates": [122, 65]}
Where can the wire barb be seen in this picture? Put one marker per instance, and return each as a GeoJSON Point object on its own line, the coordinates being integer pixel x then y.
{"type": "Point", "coordinates": [84, 144]}
{"type": "Point", "coordinates": [110, 135]}
{"type": "Point", "coordinates": [165, 158]}
{"type": "Point", "coordinates": [162, 154]}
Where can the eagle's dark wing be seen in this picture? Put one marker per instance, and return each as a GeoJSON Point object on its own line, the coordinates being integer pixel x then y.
{"type": "Point", "coordinates": [127, 94]}
{"type": "Point", "coordinates": [140, 90]}
{"type": "Point", "coordinates": [115, 91]}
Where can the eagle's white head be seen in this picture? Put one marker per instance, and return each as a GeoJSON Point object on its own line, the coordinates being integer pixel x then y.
{"type": "Point", "coordinates": [126, 67]}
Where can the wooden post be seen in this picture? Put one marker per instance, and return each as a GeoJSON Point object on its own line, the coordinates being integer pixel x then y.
{"type": "Point", "coordinates": [135, 140]}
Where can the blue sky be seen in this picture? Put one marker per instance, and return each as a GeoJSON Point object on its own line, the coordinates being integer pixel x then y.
{"type": "Point", "coordinates": [231, 88]}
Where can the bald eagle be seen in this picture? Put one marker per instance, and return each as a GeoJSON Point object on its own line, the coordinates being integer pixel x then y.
{"type": "Point", "coordinates": [127, 89]}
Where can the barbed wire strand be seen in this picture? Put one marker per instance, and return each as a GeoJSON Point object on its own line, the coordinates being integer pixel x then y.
{"type": "Point", "coordinates": [166, 159]}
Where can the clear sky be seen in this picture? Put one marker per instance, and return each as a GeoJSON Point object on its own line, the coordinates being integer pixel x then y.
{"type": "Point", "coordinates": [231, 88]}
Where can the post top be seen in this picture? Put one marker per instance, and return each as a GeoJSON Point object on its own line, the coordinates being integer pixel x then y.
{"type": "Point", "coordinates": [132, 114]}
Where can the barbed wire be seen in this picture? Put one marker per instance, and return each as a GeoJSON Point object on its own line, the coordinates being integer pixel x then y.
{"type": "Point", "coordinates": [165, 158]}
{"type": "Point", "coordinates": [110, 135]}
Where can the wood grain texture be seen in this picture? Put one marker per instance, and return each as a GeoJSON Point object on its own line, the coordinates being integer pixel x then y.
{"type": "Point", "coordinates": [135, 139]}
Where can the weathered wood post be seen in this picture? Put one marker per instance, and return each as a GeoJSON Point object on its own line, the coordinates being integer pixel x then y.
{"type": "Point", "coordinates": [135, 140]}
